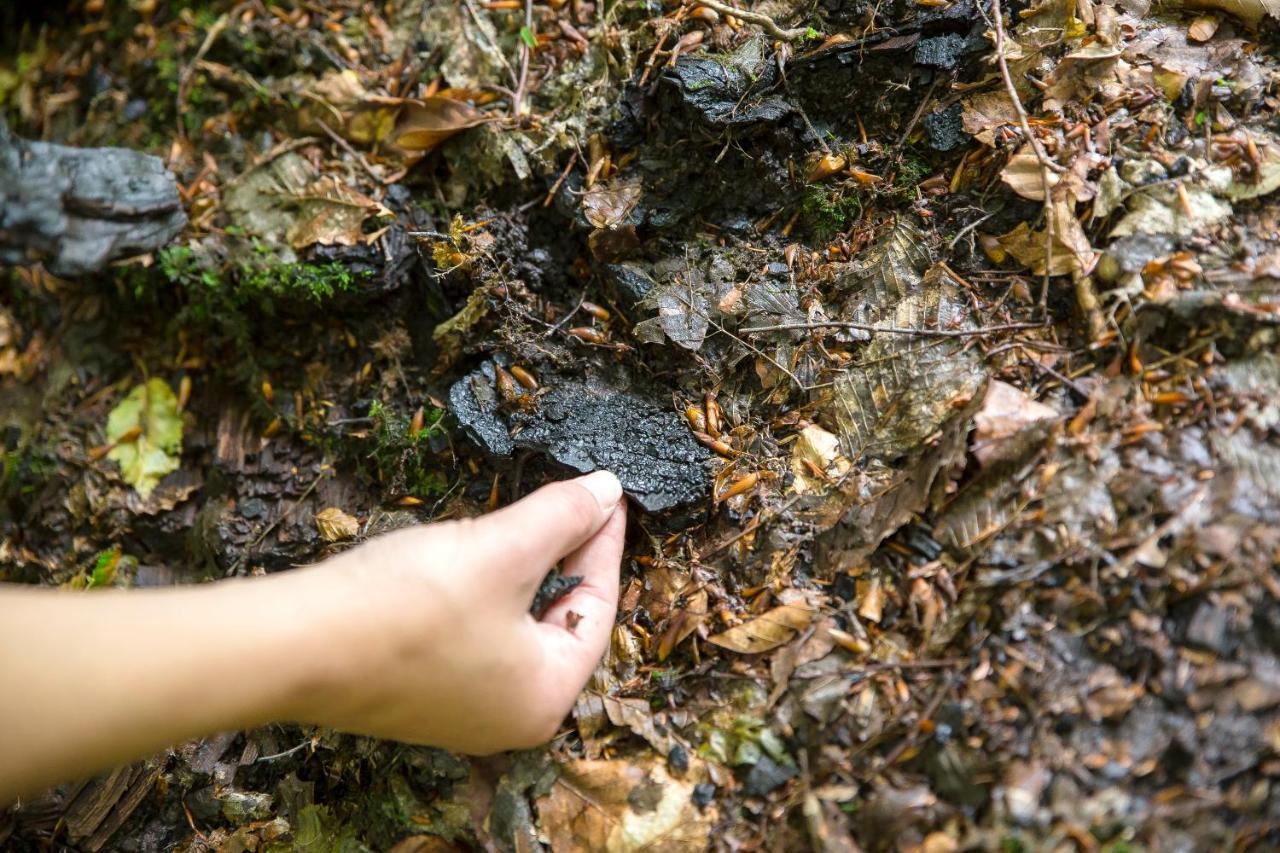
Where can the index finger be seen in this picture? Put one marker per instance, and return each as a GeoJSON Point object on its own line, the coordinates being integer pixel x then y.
{"type": "Point", "coordinates": [577, 627]}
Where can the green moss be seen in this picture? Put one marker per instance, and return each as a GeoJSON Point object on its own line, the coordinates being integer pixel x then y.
{"type": "Point", "coordinates": [403, 459]}
{"type": "Point", "coordinates": [828, 211]}
{"type": "Point", "coordinates": [259, 275]}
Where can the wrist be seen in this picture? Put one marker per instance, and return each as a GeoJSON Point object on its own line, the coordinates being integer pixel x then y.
{"type": "Point", "coordinates": [354, 622]}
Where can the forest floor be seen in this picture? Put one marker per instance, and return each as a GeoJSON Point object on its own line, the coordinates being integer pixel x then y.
{"type": "Point", "coordinates": [938, 340]}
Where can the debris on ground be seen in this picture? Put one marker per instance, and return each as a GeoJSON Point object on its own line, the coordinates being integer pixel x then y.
{"type": "Point", "coordinates": [937, 343]}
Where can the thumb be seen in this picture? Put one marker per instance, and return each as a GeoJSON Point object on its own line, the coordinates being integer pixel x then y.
{"type": "Point", "coordinates": [528, 537]}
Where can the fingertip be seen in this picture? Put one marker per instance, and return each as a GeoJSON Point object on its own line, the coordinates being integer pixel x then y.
{"type": "Point", "coordinates": [604, 486]}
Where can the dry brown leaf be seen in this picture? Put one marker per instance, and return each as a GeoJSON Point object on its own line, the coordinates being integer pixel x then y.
{"type": "Point", "coordinates": [1023, 175]}
{"type": "Point", "coordinates": [425, 844]}
{"type": "Point", "coordinates": [871, 599]}
{"type": "Point", "coordinates": [423, 126]}
{"type": "Point", "coordinates": [1252, 11]}
{"type": "Point", "coordinates": [1005, 411]}
{"type": "Point", "coordinates": [607, 205]}
{"type": "Point", "coordinates": [684, 621]}
{"type": "Point", "coordinates": [1202, 28]}
{"type": "Point", "coordinates": [984, 113]}
{"type": "Point", "coordinates": [335, 525]}
{"type": "Point", "coordinates": [623, 806]}
{"type": "Point", "coordinates": [636, 715]}
{"type": "Point", "coordinates": [816, 460]}
{"type": "Point", "coordinates": [766, 631]}
{"type": "Point", "coordinates": [1072, 251]}
{"type": "Point", "coordinates": [331, 214]}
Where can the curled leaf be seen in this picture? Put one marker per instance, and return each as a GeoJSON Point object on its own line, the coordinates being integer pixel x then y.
{"type": "Point", "coordinates": [334, 524]}
{"type": "Point", "coordinates": [425, 125]}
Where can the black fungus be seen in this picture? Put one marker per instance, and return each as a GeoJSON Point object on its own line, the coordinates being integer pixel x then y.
{"type": "Point", "coordinates": [945, 130]}
{"type": "Point", "coordinates": [766, 775]}
{"type": "Point", "coordinates": [78, 209]}
{"type": "Point", "coordinates": [587, 425]}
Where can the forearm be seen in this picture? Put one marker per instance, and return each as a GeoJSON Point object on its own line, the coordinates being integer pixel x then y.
{"type": "Point", "coordinates": [88, 680]}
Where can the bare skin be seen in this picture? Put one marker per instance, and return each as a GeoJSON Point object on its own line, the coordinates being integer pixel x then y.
{"type": "Point", "coordinates": [422, 635]}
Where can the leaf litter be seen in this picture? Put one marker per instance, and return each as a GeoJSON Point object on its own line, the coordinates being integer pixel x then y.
{"type": "Point", "coordinates": [945, 379]}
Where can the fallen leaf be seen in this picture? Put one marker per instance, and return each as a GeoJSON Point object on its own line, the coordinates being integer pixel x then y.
{"type": "Point", "coordinates": [636, 715]}
{"type": "Point", "coordinates": [424, 844]}
{"type": "Point", "coordinates": [335, 525]}
{"type": "Point", "coordinates": [985, 113]}
{"type": "Point", "coordinates": [608, 205]}
{"type": "Point", "coordinates": [766, 631]}
{"type": "Point", "coordinates": [1072, 251]}
{"type": "Point", "coordinates": [1250, 11]}
{"type": "Point", "coordinates": [423, 126]}
{"type": "Point", "coordinates": [262, 201]}
{"type": "Point", "coordinates": [816, 460]}
{"type": "Point", "coordinates": [1202, 28]}
{"type": "Point", "coordinates": [871, 599]}
{"type": "Point", "coordinates": [331, 214]}
{"type": "Point", "coordinates": [1005, 411]}
{"type": "Point", "coordinates": [684, 621]}
{"type": "Point", "coordinates": [1024, 176]}
{"type": "Point", "coordinates": [150, 415]}
{"type": "Point", "coordinates": [1164, 211]}
{"type": "Point", "coordinates": [621, 807]}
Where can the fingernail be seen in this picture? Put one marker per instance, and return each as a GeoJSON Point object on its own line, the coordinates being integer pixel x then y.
{"type": "Point", "coordinates": [604, 486]}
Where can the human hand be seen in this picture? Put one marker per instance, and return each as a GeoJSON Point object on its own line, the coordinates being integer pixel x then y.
{"type": "Point", "coordinates": [431, 640]}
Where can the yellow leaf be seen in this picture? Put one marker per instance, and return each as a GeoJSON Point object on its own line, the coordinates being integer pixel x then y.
{"type": "Point", "coordinates": [334, 524]}
{"type": "Point", "coordinates": [371, 124]}
{"type": "Point", "coordinates": [146, 432]}
{"type": "Point", "coordinates": [766, 631]}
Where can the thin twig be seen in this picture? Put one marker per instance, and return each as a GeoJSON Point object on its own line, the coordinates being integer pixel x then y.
{"type": "Point", "coordinates": [1065, 380]}
{"type": "Point", "coordinates": [287, 752]}
{"type": "Point", "coordinates": [184, 79]}
{"type": "Point", "coordinates": [756, 18]}
{"type": "Point", "coordinates": [951, 244]}
{"type": "Point", "coordinates": [896, 330]}
{"type": "Point", "coordinates": [1046, 165]}
{"type": "Point", "coordinates": [517, 100]}
{"type": "Point", "coordinates": [346, 146]}
{"type": "Point", "coordinates": [1122, 566]}
{"type": "Point", "coordinates": [555, 188]}
{"type": "Point", "coordinates": [914, 735]}
{"type": "Point", "coordinates": [560, 324]}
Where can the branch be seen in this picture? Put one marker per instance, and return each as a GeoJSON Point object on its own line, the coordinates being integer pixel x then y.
{"type": "Point", "coordinates": [756, 18]}
{"type": "Point", "coordinates": [896, 330]}
{"type": "Point", "coordinates": [1046, 165]}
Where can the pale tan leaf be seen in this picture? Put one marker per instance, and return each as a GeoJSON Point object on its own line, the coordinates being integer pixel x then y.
{"type": "Point", "coordinates": [607, 205]}
{"type": "Point", "coordinates": [636, 715]}
{"type": "Point", "coordinates": [1005, 411]}
{"type": "Point", "coordinates": [1024, 175]}
{"type": "Point", "coordinates": [1252, 11]}
{"type": "Point", "coordinates": [335, 525]}
{"type": "Point", "coordinates": [816, 460]}
{"type": "Point", "coordinates": [621, 807]}
{"type": "Point", "coordinates": [1202, 28]}
{"type": "Point", "coordinates": [331, 214]}
{"type": "Point", "coordinates": [766, 631]}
